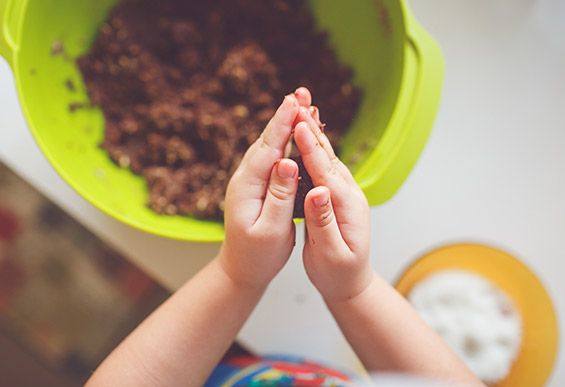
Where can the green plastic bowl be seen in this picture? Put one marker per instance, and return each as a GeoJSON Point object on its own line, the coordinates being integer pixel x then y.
{"type": "Point", "coordinates": [397, 64]}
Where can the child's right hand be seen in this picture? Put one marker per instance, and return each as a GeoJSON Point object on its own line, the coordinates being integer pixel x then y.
{"type": "Point", "coordinates": [336, 250]}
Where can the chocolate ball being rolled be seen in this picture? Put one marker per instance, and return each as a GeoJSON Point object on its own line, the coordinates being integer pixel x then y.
{"type": "Point", "coordinates": [304, 186]}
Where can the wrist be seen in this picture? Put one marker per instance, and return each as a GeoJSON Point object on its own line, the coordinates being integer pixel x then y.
{"type": "Point", "coordinates": [369, 280]}
{"type": "Point", "coordinates": [236, 274]}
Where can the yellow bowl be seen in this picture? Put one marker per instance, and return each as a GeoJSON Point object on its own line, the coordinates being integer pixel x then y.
{"type": "Point", "coordinates": [540, 338]}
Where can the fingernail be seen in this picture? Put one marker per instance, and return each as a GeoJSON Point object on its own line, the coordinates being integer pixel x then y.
{"type": "Point", "coordinates": [322, 200]}
{"type": "Point", "coordinates": [292, 99]}
{"type": "Point", "coordinates": [286, 169]}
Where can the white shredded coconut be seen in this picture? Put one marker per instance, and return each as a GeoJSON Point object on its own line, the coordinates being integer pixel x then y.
{"type": "Point", "coordinates": [476, 319]}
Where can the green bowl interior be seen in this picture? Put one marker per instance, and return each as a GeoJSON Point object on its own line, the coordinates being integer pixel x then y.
{"type": "Point", "coordinates": [369, 36]}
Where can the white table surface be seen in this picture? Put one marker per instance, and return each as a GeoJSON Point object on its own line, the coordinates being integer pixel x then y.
{"type": "Point", "coordinates": [493, 172]}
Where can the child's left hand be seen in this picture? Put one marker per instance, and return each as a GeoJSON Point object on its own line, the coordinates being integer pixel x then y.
{"type": "Point", "coordinates": [260, 197]}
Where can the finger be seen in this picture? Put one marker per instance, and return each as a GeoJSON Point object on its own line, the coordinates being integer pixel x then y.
{"type": "Point", "coordinates": [303, 96]}
{"type": "Point", "coordinates": [315, 114]}
{"type": "Point", "coordinates": [306, 115]}
{"type": "Point", "coordinates": [322, 170]}
{"type": "Point", "coordinates": [279, 202]}
{"type": "Point", "coordinates": [277, 132]}
{"type": "Point", "coordinates": [321, 222]}
{"type": "Point", "coordinates": [270, 146]}
{"type": "Point", "coordinates": [313, 119]}
{"type": "Point", "coordinates": [316, 159]}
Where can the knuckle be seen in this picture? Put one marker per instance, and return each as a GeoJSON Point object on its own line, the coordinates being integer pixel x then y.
{"type": "Point", "coordinates": [331, 170]}
{"type": "Point", "coordinates": [325, 217]}
{"type": "Point", "coordinates": [309, 150]}
{"type": "Point", "coordinates": [328, 175]}
{"type": "Point", "coordinates": [280, 191]}
{"type": "Point", "coordinates": [263, 142]}
{"type": "Point", "coordinates": [318, 132]}
{"type": "Point", "coordinates": [266, 145]}
{"type": "Point", "coordinates": [324, 177]}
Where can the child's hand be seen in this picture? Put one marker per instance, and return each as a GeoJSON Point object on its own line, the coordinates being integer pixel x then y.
{"type": "Point", "coordinates": [336, 251]}
{"type": "Point", "coordinates": [259, 202]}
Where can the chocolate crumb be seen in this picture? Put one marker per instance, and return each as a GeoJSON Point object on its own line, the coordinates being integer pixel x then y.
{"type": "Point", "coordinates": [69, 84]}
{"type": "Point", "coordinates": [74, 106]}
{"type": "Point", "coordinates": [57, 48]}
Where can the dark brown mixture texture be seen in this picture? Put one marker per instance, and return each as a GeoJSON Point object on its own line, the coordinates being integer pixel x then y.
{"type": "Point", "coordinates": [304, 186]}
{"type": "Point", "coordinates": [186, 86]}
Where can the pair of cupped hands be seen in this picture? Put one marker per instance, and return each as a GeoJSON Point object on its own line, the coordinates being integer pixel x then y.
{"type": "Point", "coordinates": [260, 232]}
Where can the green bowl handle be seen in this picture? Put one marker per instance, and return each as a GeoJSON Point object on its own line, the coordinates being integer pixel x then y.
{"type": "Point", "coordinates": [412, 120]}
{"type": "Point", "coordinates": [10, 18]}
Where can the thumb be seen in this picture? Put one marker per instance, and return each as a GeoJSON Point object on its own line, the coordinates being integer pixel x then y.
{"type": "Point", "coordinates": [321, 222]}
{"type": "Point", "coordinates": [279, 200]}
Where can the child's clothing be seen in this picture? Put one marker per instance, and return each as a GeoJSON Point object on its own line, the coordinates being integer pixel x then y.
{"type": "Point", "coordinates": [253, 371]}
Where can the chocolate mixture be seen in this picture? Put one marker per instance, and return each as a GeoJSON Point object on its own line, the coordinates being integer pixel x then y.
{"type": "Point", "coordinates": [305, 184]}
{"type": "Point", "coordinates": [186, 87]}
